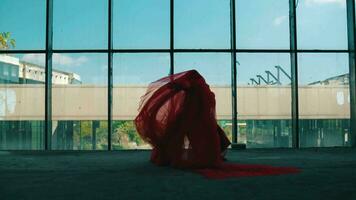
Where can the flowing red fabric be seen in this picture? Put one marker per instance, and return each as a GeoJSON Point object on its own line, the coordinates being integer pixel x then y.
{"type": "Point", "coordinates": [177, 117]}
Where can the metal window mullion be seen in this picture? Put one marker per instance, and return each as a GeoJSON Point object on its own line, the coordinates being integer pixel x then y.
{"type": "Point", "coordinates": [171, 47]}
{"type": "Point", "coordinates": [350, 4]}
{"type": "Point", "coordinates": [175, 51]}
{"type": "Point", "coordinates": [110, 72]}
{"type": "Point", "coordinates": [294, 72]}
{"type": "Point", "coordinates": [48, 82]}
{"type": "Point", "coordinates": [233, 71]}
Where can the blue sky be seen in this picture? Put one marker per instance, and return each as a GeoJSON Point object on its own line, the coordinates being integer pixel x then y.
{"type": "Point", "coordinates": [261, 24]}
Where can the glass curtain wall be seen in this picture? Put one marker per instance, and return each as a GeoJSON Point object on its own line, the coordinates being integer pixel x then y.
{"type": "Point", "coordinates": [102, 54]}
{"type": "Point", "coordinates": [128, 87]}
{"type": "Point", "coordinates": [263, 78]}
{"type": "Point", "coordinates": [22, 75]}
{"type": "Point", "coordinates": [324, 97]}
{"type": "Point", "coordinates": [80, 99]}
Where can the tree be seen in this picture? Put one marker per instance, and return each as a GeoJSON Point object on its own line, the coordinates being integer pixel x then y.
{"type": "Point", "coordinates": [125, 135]}
{"type": "Point", "coordinates": [6, 42]}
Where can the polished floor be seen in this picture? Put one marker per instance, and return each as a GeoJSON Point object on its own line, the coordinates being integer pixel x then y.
{"type": "Point", "coordinates": [327, 173]}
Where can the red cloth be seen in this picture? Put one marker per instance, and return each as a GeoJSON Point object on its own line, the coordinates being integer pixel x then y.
{"type": "Point", "coordinates": [177, 117]}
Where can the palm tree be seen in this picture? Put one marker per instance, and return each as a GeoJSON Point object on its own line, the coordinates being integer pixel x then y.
{"type": "Point", "coordinates": [6, 41]}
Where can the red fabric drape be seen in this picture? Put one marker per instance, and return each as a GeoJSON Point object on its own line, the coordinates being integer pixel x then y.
{"type": "Point", "coordinates": [177, 117]}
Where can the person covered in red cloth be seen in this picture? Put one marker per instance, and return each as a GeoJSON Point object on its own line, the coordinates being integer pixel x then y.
{"type": "Point", "coordinates": [177, 117]}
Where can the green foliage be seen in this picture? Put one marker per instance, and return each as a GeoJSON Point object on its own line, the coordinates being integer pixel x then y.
{"type": "Point", "coordinates": [6, 42]}
{"type": "Point", "coordinates": [226, 126]}
{"type": "Point", "coordinates": [83, 133]}
{"type": "Point", "coordinates": [125, 134]}
{"type": "Point", "coordinates": [102, 135]}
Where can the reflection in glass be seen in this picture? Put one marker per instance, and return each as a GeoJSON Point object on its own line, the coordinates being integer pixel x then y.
{"type": "Point", "coordinates": [215, 68]}
{"type": "Point", "coordinates": [79, 101]}
{"type": "Point", "coordinates": [26, 23]}
{"type": "Point", "coordinates": [264, 100]}
{"type": "Point", "coordinates": [324, 99]}
{"type": "Point", "coordinates": [80, 24]}
{"type": "Point", "coordinates": [22, 98]}
{"type": "Point", "coordinates": [321, 24]}
{"type": "Point", "coordinates": [262, 24]}
{"type": "Point", "coordinates": [131, 75]}
{"type": "Point", "coordinates": [202, 24]}
{"type": "Point", "coordinates": [141, 24]}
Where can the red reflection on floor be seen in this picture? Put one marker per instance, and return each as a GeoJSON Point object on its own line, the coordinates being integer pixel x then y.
{"type": "Point", "coordinates": [230, 170]}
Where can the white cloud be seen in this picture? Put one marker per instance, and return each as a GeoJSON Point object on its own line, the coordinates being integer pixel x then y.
{"type": "Point", "coordinates": [279, 20]}
{"type": "Point", "coordinates": [38, 59]}
{"type": "Point", "coordinates": [321, 2]}
{"type": "Point", "coordinates": [58, 59]}
{"type": "Point", "coordinates": [65, 60]}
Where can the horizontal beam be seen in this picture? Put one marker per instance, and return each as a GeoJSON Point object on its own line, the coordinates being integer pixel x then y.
{"type": "Point", "coordinates": [176, 51]}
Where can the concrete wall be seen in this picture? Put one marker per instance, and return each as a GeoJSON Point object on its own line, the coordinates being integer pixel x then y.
{"type": "Point", "coordinates": [86, 102]}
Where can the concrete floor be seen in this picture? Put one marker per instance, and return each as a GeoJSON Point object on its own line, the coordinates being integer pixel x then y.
{"type": "Point", "coordinates": [328, 173]}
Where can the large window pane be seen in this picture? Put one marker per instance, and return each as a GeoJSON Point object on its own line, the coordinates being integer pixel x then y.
{"type": "Point", "coordinates": [25, 21]}
{"type": "Point", "coordinates": [202, 24]}
{"type": "Point", "coordinates": [80, 24]}
{"type": "Point", "coordinates": [141, 24]}
{"type": "Point", "coordinates": [264, 99]}
{"type": "Point", "coordinates": [262, 24]}
{"type": "Point", "coordinates": [324, 99]}
{"type": "Point", "coordinates": [79, 101]}
{"type": "Point", "coordinates": [321, 24]}
{"type": "Point", "coordinates": [132, 74]}
{"type": "Point", "coordinates": [215, 68]}
{"type": "Point", "coordinates": [22, 98]}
